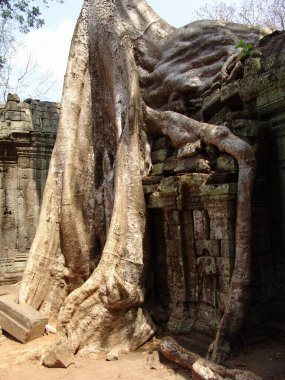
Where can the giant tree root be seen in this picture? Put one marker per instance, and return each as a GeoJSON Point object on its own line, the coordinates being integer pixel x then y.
{"type": "Point", "coordinates": [170, 349]}
{"type": "Point", "coordinates": [201, 368]}
{"type": "Point", "coordinates": [121, 55]}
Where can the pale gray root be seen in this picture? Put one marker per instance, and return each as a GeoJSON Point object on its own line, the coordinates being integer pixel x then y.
{"type": "Point", "coordinates": [120, 59]}
{"type": "Point", "coordinates": [202, 369]}
{"type": "Point", "coordinates": [44, 284]}
{"type": "Point", "coordinates": [180, 130]}
{"type": "Point", "coordinates": [170, 349]}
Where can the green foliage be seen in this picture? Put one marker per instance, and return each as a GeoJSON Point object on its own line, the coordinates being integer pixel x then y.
{"type": "Point", "coordinates": [247, 48]}
{"type": "Point", "coordinates": [24, 12]}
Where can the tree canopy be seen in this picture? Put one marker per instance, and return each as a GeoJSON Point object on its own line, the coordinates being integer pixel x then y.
{"type": "Point", "coordinates": [26, 13]}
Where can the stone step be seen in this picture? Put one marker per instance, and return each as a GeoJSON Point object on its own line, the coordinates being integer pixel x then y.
{"type": "Point", "coordinates": [21, 321]}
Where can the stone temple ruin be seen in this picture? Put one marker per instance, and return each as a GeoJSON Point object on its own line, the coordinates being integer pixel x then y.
{"type": "Point", "coordinates": [190, 197]}
{"type": "Point", "coordinates": [27, 136]}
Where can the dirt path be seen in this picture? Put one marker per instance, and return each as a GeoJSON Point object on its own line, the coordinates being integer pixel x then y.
{"type": "Point", "coordinates": [22, 362]}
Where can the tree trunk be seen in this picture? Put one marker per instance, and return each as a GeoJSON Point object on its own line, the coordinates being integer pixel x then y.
{"type": "Point", "coordinates": [127, 75]}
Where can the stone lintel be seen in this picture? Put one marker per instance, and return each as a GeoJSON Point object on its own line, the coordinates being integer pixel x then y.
{"type": "Point", "coordinates": [22, 321]}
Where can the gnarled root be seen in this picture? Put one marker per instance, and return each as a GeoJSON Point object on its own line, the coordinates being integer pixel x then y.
{"type": "Point", "coordinates": [202, 369]}
{"type": "Point", "coordinates": [103, 315]}
{"type": "Point", "coordinates": [177, 354]}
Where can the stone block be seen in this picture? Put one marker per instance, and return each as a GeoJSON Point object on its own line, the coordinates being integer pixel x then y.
{"type": "Point", "coordinates": [172, 217]}
{"type": "Point", "coordinates": [160, 155]}
{"type": "Point", "coordinates": [175, 231]}
{"type": "Point", "coordinates": [224, 283]}
{"type": "Point", "coordinates": [248, 128]}
{"type": "Point", "coordinates": [208, 296]}
{"type": "Point", "coordinates": [155, 200]}
{"type": "Point", "coordinates": [13, 98]}
{"type": "Point", "coordinates": [193, 164]}
{"type": "Point", "coordinates": [270, 100]}
{"type": "Point", "coordinates": [22, 321]}
{"type": "Point", "coordinates": [58, 358]}
{"type": "Point", "coordinates": [169, 187]}
{"type": "Point", "coordinates": [222, 229]}
{"type": "Point", "coordinates": [201, 224]}
{"type": "Point", "coordinates": [177, 250]}
{"type": "Point", "coordinates": [189, 149]}
{"type": "Point", "coordinates": [169, 165]}
{"type": "Point", "coordinates": [157, 169]}
{"type": "Point", "coordinates": [207, 265]}
{"type": "Point", "coordinates": [225, 266]}
{"type": "Point", "coordinates": [226, 163]}
{"type": "Point", "coordinates": [228, 248]}
{"type": "Point", "coordinates": [169, 203]}
{"type": "Point", "coordinates": [148, 189]}
{"type": "Point", "coordinates": [207, 247]}
{"type": "Point", "coordinates": [221, 209]}
{"type": "Point", "coordinates": [13, 115]}
{"type": "Point", "coordinates": [193, 179]}
{"type": "Point", "coordinates": [230, 92]}
{"type": "Point", "coordinates": [212, 103]}
{"type": "Point", "coordinates": [225, 192]}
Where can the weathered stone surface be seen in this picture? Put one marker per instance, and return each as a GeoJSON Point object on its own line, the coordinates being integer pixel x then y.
{"type": "Point", "coordinates": [189, 150]}
{"type": "Point", "coordinates": [207, 265]}
{"type": "Point", "coordinates": [58, 358]}
{"type": "Point", "coordinates": [153, 361]}
{"type": "Point", "coordinates": [201, 224]}
{"type": "Point", "coordinates": [170, 164]}
{"type": "Point", "coordinates": [157, 169]}
{"type": "Point", "coordinates": [193, 164]}
{"type": "Point", "coordinates": [226, 163]}
{"type": "Point", "coordinates": [112, 355]}
{"type": "Point", "coordinates": [21, 321]}
{"type": "Point", "coordinates": [207, 247]}
{"type": "Point", "coordinates": [169, 187]}
{"type": "Point", "coordinates": [160, 155]}
{"type": "Point", "coordinates": [25, 150]}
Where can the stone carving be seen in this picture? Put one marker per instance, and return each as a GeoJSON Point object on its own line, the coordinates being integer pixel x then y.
{"type": "Point", "coordinates": [27, 135]}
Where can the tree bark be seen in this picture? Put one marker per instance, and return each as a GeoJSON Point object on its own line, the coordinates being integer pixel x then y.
{"type": "Point", "coordinates": [128, 73]}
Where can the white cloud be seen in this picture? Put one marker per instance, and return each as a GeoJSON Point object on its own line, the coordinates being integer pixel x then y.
{"type": "Point", "coordinates": [48, 51]}
{"type": "Point", "coordinates": [49, 48]}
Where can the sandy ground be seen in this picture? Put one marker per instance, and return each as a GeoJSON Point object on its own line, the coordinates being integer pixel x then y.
{"type": "Point", "coordinates": [18, 361]}
{"type": "Point", "coordinates": [22, 362]}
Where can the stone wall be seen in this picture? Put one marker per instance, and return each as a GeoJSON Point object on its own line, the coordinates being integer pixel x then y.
{"type": "Point", "coordinates": [191, 196]}
{"type": "Point", "coordinates": [27, 136]}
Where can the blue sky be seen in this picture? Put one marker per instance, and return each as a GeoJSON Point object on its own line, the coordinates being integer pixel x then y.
{"type": "Point", "coordinates": [48, 47]}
